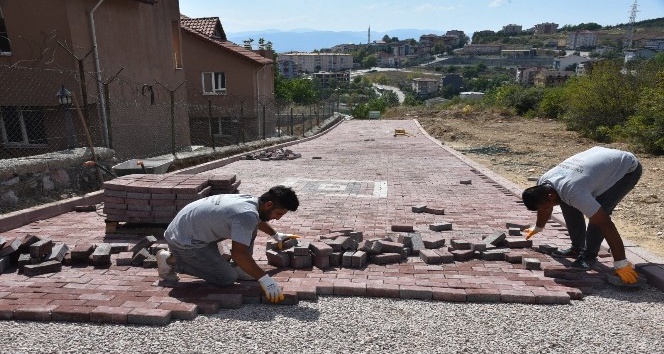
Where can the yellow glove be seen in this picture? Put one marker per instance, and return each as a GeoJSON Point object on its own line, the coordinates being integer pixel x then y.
{"type": "Point", "coordinates": [280, 238]}
{"type": "Point", "coordinates": [531, 232]}
{"type": "Point", "coordinates": [625, 271]}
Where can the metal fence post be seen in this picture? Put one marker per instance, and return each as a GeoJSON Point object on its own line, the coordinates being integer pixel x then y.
{"type": "Point", "coordinates": [291, 121]}
{"type": "Point", "coordinates": [210, 124]}
{"type": "Point", "coordinates": [263, 122]}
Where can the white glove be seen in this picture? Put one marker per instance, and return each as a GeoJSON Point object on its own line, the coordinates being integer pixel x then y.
{"type": "Point", "coordinates": [281, 237]}
{"type": "Point", "coordinates": [271, 289]}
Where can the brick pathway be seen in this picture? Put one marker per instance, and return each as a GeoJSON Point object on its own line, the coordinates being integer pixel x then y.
{"type": "Point", "coordinates": [357, 176]}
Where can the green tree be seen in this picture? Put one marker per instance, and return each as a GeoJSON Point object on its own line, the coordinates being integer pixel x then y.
{"type": "Point", "coordinates": [552, 104]}
{"type": "Point", "coordinates": [391, 98]}
{"type": "Point", "coordinates": [386, 39]}
{"type": "Point", "coordinates": [600, 100]}
{"type": "Point", "coordinates": [645, 129]}
{"type": "Point", "coordinates": [369, 61]}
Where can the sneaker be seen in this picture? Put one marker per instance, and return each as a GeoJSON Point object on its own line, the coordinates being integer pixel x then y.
{"type": "Point", "coordinates": [570, 252]}
{"type": "Point", "coordinates": [165, 270]}
{"type": "Point", "coordinates": [582, 263]}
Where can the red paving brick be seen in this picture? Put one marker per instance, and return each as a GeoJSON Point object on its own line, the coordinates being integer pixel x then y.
{"type": "Point", "coordinates": [366, 180]}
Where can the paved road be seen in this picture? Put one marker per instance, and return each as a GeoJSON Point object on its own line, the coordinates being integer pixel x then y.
{"type": "Point", "coordinates": [366, 179]}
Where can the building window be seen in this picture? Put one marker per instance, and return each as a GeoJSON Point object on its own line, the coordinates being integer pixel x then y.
{"type": "Point", "coordinates": [5, 48]}
{"type": "Point", "coordinates": [214, 83]}
{"type": "Point", "coordinates": [177, 46]}
{"type": "Point", "coordinates": [22, 126]}
{"type": "Point", "coordinates": [221, 127]}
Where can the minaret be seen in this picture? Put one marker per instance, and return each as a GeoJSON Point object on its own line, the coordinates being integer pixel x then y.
{"type": "Point", "coordinates": [369, 35]}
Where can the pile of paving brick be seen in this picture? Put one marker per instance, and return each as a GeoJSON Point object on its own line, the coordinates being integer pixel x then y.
{"type": "Point", "coordinates": [349, 249]}
{"type": "Point", "coordinates": [158, 198]}
{"type": "Point", "coordinates": [272, 155]}
{"type": "Point", "coordinates": [33, 255]}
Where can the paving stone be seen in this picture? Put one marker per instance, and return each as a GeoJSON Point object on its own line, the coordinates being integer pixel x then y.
{"type": "Point", "coordinates": [359, 259]}
{"type": "Point", "coordinates": [23, 259]}
{"type": "Point", "coordinates": [482, 295]}
{"type": "Point", "coordinates": [299, 262]}
{"type": "Point", "coordinates": [531, 263]}
{"type": "Point", "coordinates": [42, 268]}
{"type": "Point", "coordinates": [415, 292]}
{"type": "Point", "coordinates": [278, 259]}
{"type": "Point", "coordinates": [58, 252]}
{"type": "Point", "coordinates": [446, 256]}
{"type": "Point", "coordinates": [301, 250]}
{"type": "Point", "coordinates": [434, 210]}
{"type": "Point", "coordinates": [144, 243]}
{"type": "Point", "coordinates": [81, 252]}
{"type": "Point", "coordinates": [371, 246]}
{"type": "Point", "coordinates": [143, 316]}
{"type": "Point", "coordinates": [140, 256]}
{"type": "Point", "coordinates": [417, 243]}
{"type": "Point", "coordinates": [41, 248]}
{"type": "Point", "coordinates": [402, 228]}
{"type": "Point", "coordinates": [320, 248]}
{"type": "Point", "coordinates": [150, 262]}
{"type": "Point", "coordinates": [71, 313]}
{"type": "Point", "coordinates": [551, 298]}
{"type": "Point", "coordinates": [180, 310]}
{"type": "Point", "coordinates": [478, 247]}
{"type": "Point", "coordinates": [518, 296]}
{"type": "Point", "coordinates": [101, 255]}
{"type": "Point", "coordinates": [109, 314]}
{"type": "Point", "coordinates": [440, 226]}
{"type": "Point", "coordinates": [449, 294]}
{"type": "Point", "coordinates": [460, 244]}
{"type": "Point", "coordinates": [385, 258]}
{"type": "Point", "coordinates": [383, 290]}
{"type": "Point", "coordinates": [118, 247]}
{"type": "Point", "coordinates": [493, 255]}
{"type": "Point", "coordinates": [335, 259]}
{"type": "Point", "coordinates": [518, 242]}
{"type": "Point", "coordinates": [391, 247]}
{"type": "Point", "coordinates": [124, 259]}
{"type": "Point", "coordinates": [406, 239]}
{"type": "Point", "coordinates": [615, 280]}
{"type": "Point", "coordinates": [514, 231]}
{"type": "Point", "coordinates": [466, 181]}
{"type": "Point", "coordinates": [432, 241]}
{"type": "Point", "coordinates": [357, 236]}
{"type": "Point", "coordinates": [34, 312]}
{"type": "Point", "coordinates": [514, 258]}
{"type": "Point", "coordinates": [321, 262]}
{"type": "Point", "coordinates": [462, 255]}
{"type": "Point", "coordinates": [495, 239]}
{"type": "Point", "coordinates": [430, 257]}
{"type": "Point", "coordinates": [547, 249]}
{"type": "Point", "coordinates": [28, 241]}
{"type": "Point", "coordinates": [347, 259]}
{"type": "Point", "coordinates": [521, 227]}
{"type": "Point", "coordinates": [418, 208]}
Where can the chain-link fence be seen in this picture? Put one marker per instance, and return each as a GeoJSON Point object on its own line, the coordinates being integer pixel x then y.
{"type": "Point", "coordinates": [45, 109]}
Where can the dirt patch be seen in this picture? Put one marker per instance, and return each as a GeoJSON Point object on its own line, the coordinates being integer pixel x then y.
{"type": "Point", "coordinates": [518, 148]}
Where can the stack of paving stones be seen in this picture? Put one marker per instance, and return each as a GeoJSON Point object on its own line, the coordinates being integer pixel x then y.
{"type": "Point", "coordinates": [348, 248]}
{"type": "Point", "coordinates": [272, 155]}
{"type": "Point", "coordinates": [32, 255]}
{"type": "Point", "coordinates": [157, 198]}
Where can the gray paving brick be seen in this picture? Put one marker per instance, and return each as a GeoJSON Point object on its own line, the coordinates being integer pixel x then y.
{"type": "Point", "coordinates": [463, 255]}
{"type": "Point", "coordinates": [440, 226]}
{"type": "Point", "coordinates": [41, 248]}
{"type": "Point", "coordinates": [277, 258]}
{"type": "Point", "coordinates": [531, 263]}
{"type": "Point", "coordinates": [298, 262]}
{"type": "Point", "coordinates": [433, 241]}
{"type": "Point", "coordinates": [493, 255]}
{"type": "Point", "coordinates": [145, 242]}
{"type": "Point", "coordinates": [321, 262]}
{"type": "Point", "coordinates": [385, 258]}
{"type": "Point", "coordinates": [402, 228]}
{"type": "Point", "coordinates": [460, 244]}
{"type": "Point", "coordinates": [58, 252]}
{"type": "Point", "coordinates": [359, 259]}
{"type": "Point", "coordinates": [320, 248]}
{"type": "Point", "coordinates": [518, 242]}
{"type": "Point", "coordinates": [335, 259]}
{"type": "Point", "coordinates": [446, 256]}
{"type": "Point", "coordinates": [347, 259]}
{"type": "Point", "coordinates": [418, 208]}
{"type": "Point", "coordinates": [101, 255]}
{"type": "Point", "coordinates": [496, 238]}
{"type": "Point", "coordinates": [42, 268]}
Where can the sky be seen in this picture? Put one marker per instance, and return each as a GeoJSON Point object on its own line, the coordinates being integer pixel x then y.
{"type": "Point", "coordinates": [442, 15]}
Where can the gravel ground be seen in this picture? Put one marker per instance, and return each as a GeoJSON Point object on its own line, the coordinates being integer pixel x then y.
{"type": "Point", "coordinates": [610, 321]}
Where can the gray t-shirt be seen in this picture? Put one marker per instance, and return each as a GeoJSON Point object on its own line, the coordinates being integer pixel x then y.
{"type": "Point", "coordinates": [215, 218]}
{"type": "Point", "coordinates": [586, 175]}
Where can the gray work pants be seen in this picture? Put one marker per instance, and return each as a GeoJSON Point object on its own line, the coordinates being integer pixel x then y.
{"type": "Point", "coordinates": [589, 239]}
{"type": "Point", "coordinates": [205, 263]}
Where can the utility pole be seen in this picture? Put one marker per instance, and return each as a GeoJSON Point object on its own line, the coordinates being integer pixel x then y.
{"type": "Point", "coordinates": [630, 28]}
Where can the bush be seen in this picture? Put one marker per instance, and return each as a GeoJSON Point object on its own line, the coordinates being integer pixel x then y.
{"type": "Point", "coordinates": [645, 129]}
{"type": "Point", "coordinates": [552, 103]}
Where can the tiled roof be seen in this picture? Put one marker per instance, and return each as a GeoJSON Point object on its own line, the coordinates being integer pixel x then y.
{"type": "Point", "coordinates": [203, 25]}
{"type": "Point", "coordinates": [229, 46]}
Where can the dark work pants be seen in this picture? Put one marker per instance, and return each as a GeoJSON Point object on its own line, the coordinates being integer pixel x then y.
{"type": "Point", "coordinates": [589, 239]}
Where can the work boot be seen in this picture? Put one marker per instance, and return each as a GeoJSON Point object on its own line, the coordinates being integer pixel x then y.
{"type": "Point", "coordinates": [583, 263]}
{"type": "Point", "coordinates": [164, 268]}
{"type": "Point", "coordinates": [570, 252]}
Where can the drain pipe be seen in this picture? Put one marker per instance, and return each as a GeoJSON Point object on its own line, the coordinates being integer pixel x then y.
{"type": "Point", "coordinates": [100, 86]}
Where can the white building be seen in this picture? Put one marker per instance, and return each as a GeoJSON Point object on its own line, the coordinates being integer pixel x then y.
{"type": "Point", "coordinates": [581, 39]}
{"type": "Point", "coordinates": [314, 62]}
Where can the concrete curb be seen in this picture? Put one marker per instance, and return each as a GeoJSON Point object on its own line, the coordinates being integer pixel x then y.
{"type": "Point", "coordinates": [645, 262]}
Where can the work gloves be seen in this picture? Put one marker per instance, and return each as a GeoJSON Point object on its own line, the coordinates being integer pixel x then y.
{"type": "Point", "coordinates": [271, 289]}
{"type": "Point", "coordinates": [531, 232]}
{"type": "Point", "coordinates": [625, 271]}
{"type": "Point", "coordinates": [281, 237]}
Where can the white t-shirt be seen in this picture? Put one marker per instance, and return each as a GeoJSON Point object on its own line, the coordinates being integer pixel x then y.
{"type": "Point", "coordinates": [586, 175]}
{"type": "Point", "coordinates": [215, 218]}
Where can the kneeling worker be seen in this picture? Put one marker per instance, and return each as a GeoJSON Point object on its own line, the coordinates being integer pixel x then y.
{"type": "Point", "coordinates": [196, 230]}
{"type": "Point", "coordinates": [590, 183]}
